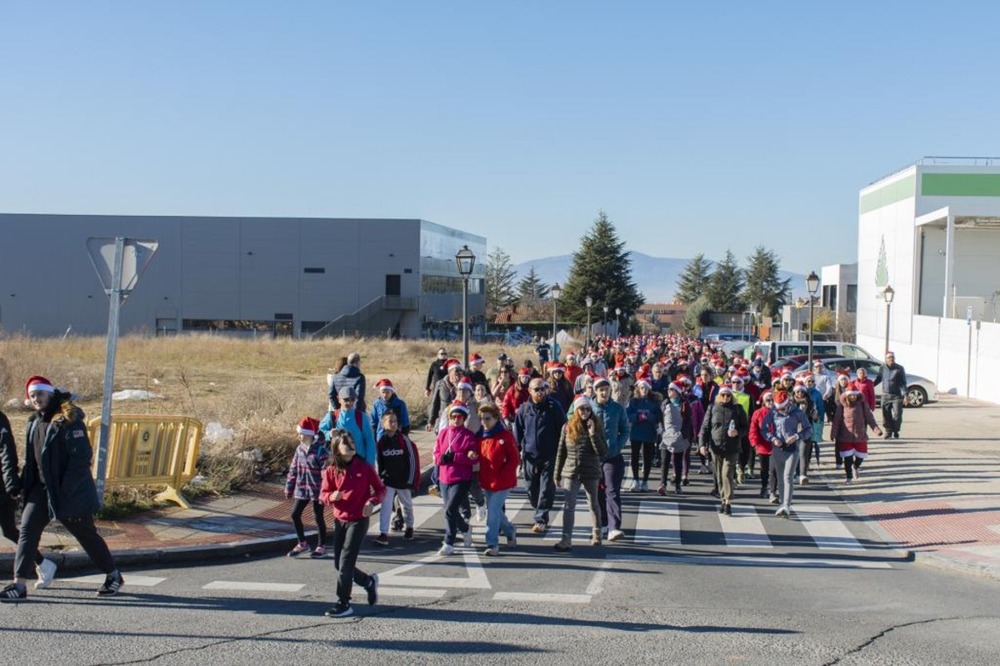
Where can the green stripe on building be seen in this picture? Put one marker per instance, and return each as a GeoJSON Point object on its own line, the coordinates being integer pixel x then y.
{"type": "Point", "coordinates": [960, 184]}
{"type": "Point", "coordinates": [905, 188]}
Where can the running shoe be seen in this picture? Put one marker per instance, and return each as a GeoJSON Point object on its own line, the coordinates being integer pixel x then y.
{"type": "Point", "coordinates": [112, 584]}
{"type": "Point", "coordinates": [408, 534]}
{"type": "Point", "coordinates": [341, 609]}
{"type": "Point", "coordinates": [46, 572]}
{"type": "Point", "coordinates": [372, 589]}
{"type": "Point", "coordinates": [615, 535]}
{"type": "Point", "coordinates": [300, 548]}
{"type": "Point", "coordinates": [447, 549]}
{"type": "Point", "coordinates": [14, 592]}
{"type": "Point", "coordinates": [381, 540]}
{"type": "Point", "coordinates": [318, 552]}
{"type": "Point", "coordinates": [492, 551]}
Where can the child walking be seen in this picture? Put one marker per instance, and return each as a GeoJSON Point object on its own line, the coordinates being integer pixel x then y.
{"type": "Point", "coordinates": [305, 476]}
{"type": "Point", "coordinates": [399, 469]}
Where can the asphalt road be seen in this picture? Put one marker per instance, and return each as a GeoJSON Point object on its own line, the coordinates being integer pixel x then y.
{"type": "Point", "coordinates": [687, 585]}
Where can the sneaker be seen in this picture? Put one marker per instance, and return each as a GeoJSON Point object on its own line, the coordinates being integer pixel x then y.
{"type": "Point", "coordinates": [467, 539]}
{"type": "Point", "coordinates": [803, 480]}
{"type": "Point", "coordinates": [615, 535]}
{"type": "Point", "coordinates": [492, 551]}
{"type": "Point", "coordinates": [595, 539]}
{"type": "Point", "coordinates": [685, 481]}
{"type": "Point", "coordinates": [895, 435]}
{"type": "Point", "coordinates": [318, 552]}
{"type": "Point", "coordinates": [480, 514]}
{"type": "Point", "coordinates": [634, 488]}
{"type": "Point", "coordinates": [447, 549]}
{"type": "Point", "coordinates": [729, 509]}
{"type": "Point", "coordinates": [762, 494]}
{"type": "Point", "coordinates": [662, 490]}
{"type": "Point", "coordinates": [644, 486]}
{"type": "Point", "coordinates": [341, 609]}
{"type": "Point", "coordinates": [677, 490]}
{"type": "Point", "coordinates": [408, 534]}
{"type": "Point", "coordinates": [848, 480]}
{"type": "Point", "coordinates": [538, 528]}
{"type": "Point", "coordinates": [887, 435]}
{"type": "Point", "coordinates": [740, 475]}
{"type": "Point", "coordinates": [435, 491]}
{"type": "Point", "coordinates": [722, 508]}
{"type": "Point", "coordinates": [112, 584]}
{"type": "Point", "coordinates": [381, 540]}
{"type": "Point", "coordinates": [512, 539]}
{"type": "Point", "coordinates": [14, 592]}
{"type": "Point", "coordinates": [782, 512]}
{"type": "Point", "coordinates": [372, 589]}
{"type": "Point", "coordinates": [397, 526]}
{"type": "Point", "coordinates": [46, 572]}
{"type": "Point", "coordinates": [300, 547]}
{"type": "Point", "coordinates": [562, 546]}
{"type": "Point", "coordinates": [774, 498]}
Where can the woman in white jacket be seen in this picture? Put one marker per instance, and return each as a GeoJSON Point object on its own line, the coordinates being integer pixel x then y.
{"type": "Point", "coordinates": [676, 439]}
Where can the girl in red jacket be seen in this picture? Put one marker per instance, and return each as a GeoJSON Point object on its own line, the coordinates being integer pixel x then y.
{"type": "Point", "coordinates": [761, 442]}
{"type": "Point", "coordinates": [352, 487]}
{"type": "Point", "coordinates": [498, 463]}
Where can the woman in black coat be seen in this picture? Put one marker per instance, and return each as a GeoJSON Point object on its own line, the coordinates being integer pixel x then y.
{"type": "Point", "coordinates": [724, 426]}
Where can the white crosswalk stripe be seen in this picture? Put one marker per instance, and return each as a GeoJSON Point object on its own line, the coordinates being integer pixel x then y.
{"type": "Point", "coordinates": [826, 528]}
{"type": "Point", "coordinates": [658, 524]}
{"type": "Point", "coordinates": [744, 529]}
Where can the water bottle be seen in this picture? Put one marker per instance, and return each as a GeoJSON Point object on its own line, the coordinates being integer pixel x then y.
{"type": "Point", "coordinates": [732, 424]}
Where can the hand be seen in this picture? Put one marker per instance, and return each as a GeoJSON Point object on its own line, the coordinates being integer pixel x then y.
{"type": "Point", "coordinates": [473, 455]}
{"type": "Point", "coordinates": [732, 433]}
{"type": "Point", "coordinates": [791, 439]}
{"type": "Point", "coordinates": [878, 431]}
{"type": "Point", "coordinates": [336, 496]}
{"type": "Point", "coordinates": [367, 509]}
{"type": "Point", "coordinates": [427, 393]}
{"type": "Point", "coordinates": [429, 427]}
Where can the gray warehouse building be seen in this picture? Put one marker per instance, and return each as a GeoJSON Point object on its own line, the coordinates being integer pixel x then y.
{"type": "Point", "coordinates": [241, 275]}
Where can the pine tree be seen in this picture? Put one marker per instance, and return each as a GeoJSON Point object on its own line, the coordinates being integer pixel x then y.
{"type": "Point", "coordinates": [694, 280]}
{"type": "Point", "coordinates": [601, 269]}
{"type": "Point", "coordinates": [765, 292]}
{"type": "Point", "coordinates": [530, 288]}
{"type": "Point", "coordinates": [725, 286]}
{"type": "Point", "coordinates": [500, 277]}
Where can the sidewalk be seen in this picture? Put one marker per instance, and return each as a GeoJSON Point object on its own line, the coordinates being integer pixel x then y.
{"type": "Point", "coordinates": [254, 520]}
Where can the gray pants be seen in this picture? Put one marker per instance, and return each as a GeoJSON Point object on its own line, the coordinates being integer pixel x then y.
{"type": "Point", "coordinates": [725, 474]}
{"type": "Point", "coordinates": [572, 487]}
{"type": "Point", "coordinates": [783, 467]}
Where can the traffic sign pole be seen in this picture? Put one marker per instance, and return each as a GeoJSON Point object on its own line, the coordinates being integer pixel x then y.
{"type": "Point", "coordinates": [109, 366]}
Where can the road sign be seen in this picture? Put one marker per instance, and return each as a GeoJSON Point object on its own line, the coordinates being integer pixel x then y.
{"type": "Point", "coordinates": [136, 254]}
{"type": "Point", "coordinates": [968, 315]}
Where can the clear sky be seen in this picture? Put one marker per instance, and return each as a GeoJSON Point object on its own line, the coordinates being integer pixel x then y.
{"type": "Point", "coordinates": [697, 126]}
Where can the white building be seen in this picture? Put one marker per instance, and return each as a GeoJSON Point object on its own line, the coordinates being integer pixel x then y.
{"type": "Point", "coordinates": [241, 275]}
{"type": "Point", "coordinates": [931, 231]}
{"type": "Point", "coordinates": [839, 293]}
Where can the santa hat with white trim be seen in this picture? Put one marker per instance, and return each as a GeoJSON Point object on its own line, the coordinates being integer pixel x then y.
{"type": "Point", "coordinates": [582, 401]}
{"type": "Point", "coordinates": [385, 385]}
{"type": "Point", "coordinates": [458, 406]}
{"type": "Point", "coordinates": [37, 383]}
{"type": "Point", "coordinates": [781, 399]}
{"type": "Point", "coordinates": [307, 426]}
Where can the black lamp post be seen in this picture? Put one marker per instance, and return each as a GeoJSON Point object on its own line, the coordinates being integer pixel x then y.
{"type": "Point", "coordinates": [888, 293]}
{"type": "Point", "coordinates": [465, 260]}
{"type": "Point", "coordinates": [812, 284]}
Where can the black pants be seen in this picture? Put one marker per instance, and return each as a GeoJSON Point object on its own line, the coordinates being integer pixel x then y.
{"type": "Point", "coordinates": [300, 530]}
{"type": "Point", "coordinates": [539, 473]}
{"type": "Point", "coordinates": [35, 517]}
{"type": "Point", "coordinates": [347, 539]}
{"type": "Point", "coordinates": [646, 448]}
{"type": "Point", "coordinates": [892, 413]}
{"type": "Point", "coordinates": [8, 525]}
{"type": "Point", "coordinates": [746, 453]}
{"type": "Point", "coordinates": [456, 505]}
{"type": "Point", "coordinates": [677, 459]}
{"type": "Point", "coordinates": [852, 463]}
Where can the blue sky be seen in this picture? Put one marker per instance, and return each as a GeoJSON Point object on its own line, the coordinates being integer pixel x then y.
{"type": "Point", "coordinates": [696, 126]}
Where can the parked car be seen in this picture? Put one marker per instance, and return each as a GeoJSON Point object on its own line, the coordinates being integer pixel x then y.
{"type": "Point", "coordinates": [792, 363]}
{"type": "Point", "coordinates": [773, 350]}
{"type": "Point", "coordinates": [919, 390]}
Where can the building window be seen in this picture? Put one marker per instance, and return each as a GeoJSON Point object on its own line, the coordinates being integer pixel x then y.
{"type": "Point", "coordinates": [393, 285]}
{"type": "Point", "coordinates": [314, 269]}
{"type": "Point", "coordinates": [439, 284]}
{"type": "Point", "coordinates": [852, 298]}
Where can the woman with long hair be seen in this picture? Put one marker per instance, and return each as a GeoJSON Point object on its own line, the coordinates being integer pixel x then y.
{"type": "Point", "coordinates": [582, 446]}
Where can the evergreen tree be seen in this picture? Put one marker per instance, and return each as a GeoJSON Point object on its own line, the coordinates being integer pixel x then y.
{"type": "Point", "coordinates": [530, 288]}
{"type": "Point", "coordinates": [601, 269]}
{"type": "Point", "coordinates": [691, 323]}
{"type": "Point", "coordinates": [725, 286]}
{"type": "Point", "coordinates": [765, 291]}
{"type": "Point", "coordinates": [500, 277]}
{"type": "Point", "coordinates": [694, 280]}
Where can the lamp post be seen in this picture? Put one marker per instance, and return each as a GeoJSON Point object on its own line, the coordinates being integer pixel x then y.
{"type": "Point", "coordinates": [812, 284]}
{"type": "Point", "coordinates": [604, 322]}
{"type": "Point", "coordinates": [887, 294]}
{"type": "Point", "coordinates": [465, 260]}
{"type": "Point", "coordinates": [555, 292]}
{"type": "Point", "coordinates": [590, 303]}
{"type": "Point", "coordinates": [618, 321]}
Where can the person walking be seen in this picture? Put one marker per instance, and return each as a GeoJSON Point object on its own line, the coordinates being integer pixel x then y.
{"type": "Point", "coordinates": [436, 372]}
{"type": "Point", "coordinates": [578, 463]}
{"type": "Point", "coordinates": [677, 436]}
{"type": "Point", "coordinates": [498, 463]}
{"type": "Point", "coordinates": [350, 417]}
{"type": "Point", "coordinates": [616, 433]}
{"type": "Point", "coordinates": [643, 416]}
{"type": "Point", "coordinates": [56, 482]}
{"type": "Point", "coordinates": [456, 451]}
{"type": "Point", "coordinates": [352, 487]}
{"type": "Point", "coordinates": [350, 376]}
{"type": "Point", "coordinates": [305, 478]}
{"type": "Point", "coordinates": [10, 493]}
{"type": "Point", "coordinates": [787, 425]}
{"type": "Point", "coordinates": [893, 380]}
{"type": "Point", "coordinates": [761, 440]}
{"type": "Point", "coordinates": [399, 471]}
{"type": "Point", "coordinates": [389, 401]}
{"type": "Point", "coordinates": [721, 432]}
{"type": "Point", "coordinates": [516, 395]}
{"type": "Point", "coordinates": [537, 427]}
{"type": "Point", "coordinates": [850, 429]}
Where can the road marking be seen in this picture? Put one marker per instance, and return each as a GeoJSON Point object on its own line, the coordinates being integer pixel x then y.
{"type": "Point", "coordinates": [424, 508]}
{"type": "Point", "coordinates": [131, 580]}
{"type": "Point", "coordinates": [542, 597]}
{"type": "Point", "coordinates": [744, 529]}
{"type": "Point", "coordinates": [513, 507]}
{"type": "Point", "coordinates": [597, 582]}
{"type": "Point", "coordinates": [475, 580]}
{"type": "Point", "coordinates": [418, 592]}
{"type": "Point", "coordinates": [658, 523]}
{"type": "Point", "coordinates": [753, 561]}
{"type": "Point", "coordinates": [581, 522]}
{"type": "Point", "coordinates": [826, 528]}
{"type": "Point", "coordinates": [253, 587]}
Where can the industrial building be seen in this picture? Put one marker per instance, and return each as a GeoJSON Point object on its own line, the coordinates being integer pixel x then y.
{"type": "Point", "coordinates": [241, 275]}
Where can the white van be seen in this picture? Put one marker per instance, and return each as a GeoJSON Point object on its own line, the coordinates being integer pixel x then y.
{"type": "Point", "coordinates": [772, 350]}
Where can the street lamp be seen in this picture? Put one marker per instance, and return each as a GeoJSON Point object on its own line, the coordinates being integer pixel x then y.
{"type": "Point", "coordinates": [604, 322]}
{"type": "Point", "coordinates": [556, 292]}
{"type": "Point", "coordinates": [887, 294]}
{"type": "Point", "coordinates": [465, 260]}
{"type": "Point", "coordinates": [618, 321]}
{"type": "Point", "coordinates": [812, 284]}
{"type": "Point", "coordinates": [590, 303]}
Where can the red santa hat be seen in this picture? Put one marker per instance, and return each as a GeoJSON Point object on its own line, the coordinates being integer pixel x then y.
{"type": "Point", "coordinates": [764, 396]}
{"type": "Point", "coordinates": [780, 399]}
{"type": "Point", "coordinates": [475, 359]}
{"type": "Point", "coordinates": [799, 386]}
{"type": "Point", "coordinates": [675, 387]}
{"type": "Point", "coordinates": [38, 383]}
{"type": "Point", "coordinates": [643, 383]}
{"type": "Point", "coordinates": [571, 357]}
{"type": "Point", "coordinates": [787, 375]}
{"type": "Point", "coordinates": [852, 389]}
{"type": "Point", "coordinates": [463, 385]}
{"type": "Point", "coordinates": [556, 366]}
{"type": "Point", "coordinates": [458, 406]}
{"type": "Point", "coordinates": [452, 364]}
{"type": "Point", "coordinates": [685, 379]}
{"type": "Point", "coordinates": [725, 390]}
{"type": "Point", "coordinates": [308, 426]}
{"type": "Point", "coordinates": [582, 401]}
{"type": "Point", "coordinates": [385, 384]}
{"type": "Point", "coordinates": [524, 372]}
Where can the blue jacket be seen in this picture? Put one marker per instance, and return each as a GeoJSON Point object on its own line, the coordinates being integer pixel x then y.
{"type": "Point", "coordinates": [349, 376]}
{"type": "Point", "coordinates": [817, 399]}
{"type": "Point", "coordinates": [364, 436]}
{"type": "Point", "coordinates": [395, 404]}
{"type": "Point", "coordinates": [537, 429]}
{"type": "Point", "coordinates": [782, 426]}
{"type": "Point", "coordinates": [616, 426]}
{"type": "Point", "coordinates": [643, 415]}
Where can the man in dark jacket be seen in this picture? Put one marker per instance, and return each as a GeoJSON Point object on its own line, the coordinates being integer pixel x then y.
{"type": "Point", "coordinates": [349, 376]}
{"type": "Point", "coordinates": [537, 426]}
{"type": "Point", "coordinates": [436, 372]}
{"type": "Point", "coordinates": [893, 380]}
{"type": "Point", "coordinates": [57, 483]}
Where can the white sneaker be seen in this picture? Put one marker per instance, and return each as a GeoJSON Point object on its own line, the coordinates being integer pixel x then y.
{"type": "Point", "coordinates": [615, 535]}
{"type": "Point", "coordinates": [467, 539]}
{"type": "Point", "coordinates": [634, 488]}
{"type": "Point", "coordinates": [803, 480]}
{"type": "Point", "coordinates": [446, 550]}
{"type": "Point", "coordinates": [46, 572]}
{"type": "Point", "coordinates": [480, 514]}
{"type": "Point", "coordinates": [782, 512]}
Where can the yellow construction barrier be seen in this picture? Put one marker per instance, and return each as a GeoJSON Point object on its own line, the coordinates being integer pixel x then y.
{"type": "Point", "coordinates": [151, 450]}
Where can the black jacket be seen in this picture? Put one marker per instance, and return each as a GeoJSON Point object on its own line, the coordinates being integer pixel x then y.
{"type": "Point", "coordinates": [537, 429]}
{"type": "Point", "coordinates": [893, 380]}
{"type": "Point", "coordinates": [716, 424]}
{"type": "Point", "coordinates": [66, 459]}
{"type": "Point", "coordinates": [349, 376]}
{"type": "Point", "coordinates": [8, 462]}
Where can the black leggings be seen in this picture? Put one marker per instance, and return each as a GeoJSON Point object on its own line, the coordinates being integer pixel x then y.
{"type": "Point", "coordinates": [8, 525]}
{"type": "Point", "coordinates": [677, 459]}
{"type": "Point", "coordinates": [647, 459]}
{"type": "Point", "coordinates": [852, 463]}
{"type": "Point", "coordinates": [300, 530]}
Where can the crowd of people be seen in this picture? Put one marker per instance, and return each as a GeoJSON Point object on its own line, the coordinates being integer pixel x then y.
{"type": "Point", "coordinates": [668, 402]}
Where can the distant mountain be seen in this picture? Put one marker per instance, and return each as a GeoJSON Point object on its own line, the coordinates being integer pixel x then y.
{"type": "Point", "coordinates": [656, 277]}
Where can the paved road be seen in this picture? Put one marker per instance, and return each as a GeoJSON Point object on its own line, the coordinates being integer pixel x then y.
{"type": "Point", "coordinates": [687, 585]}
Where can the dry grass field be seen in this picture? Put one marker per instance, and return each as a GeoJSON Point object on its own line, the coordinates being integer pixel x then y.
{"type": "Point", "coordinates": [259, 388]}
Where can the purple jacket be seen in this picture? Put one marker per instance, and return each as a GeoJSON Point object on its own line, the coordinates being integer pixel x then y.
{"type": "Point", "coordinates": [461, 441]}
{"type": "Point", "coordinates": [305, 474]}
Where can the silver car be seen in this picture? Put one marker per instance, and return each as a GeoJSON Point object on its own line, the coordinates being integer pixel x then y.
{"type": "Point", "coordinates": [919, 390]}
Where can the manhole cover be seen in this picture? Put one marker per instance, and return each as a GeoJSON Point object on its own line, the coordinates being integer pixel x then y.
{"type": "Point", "coordinates": [235, 525]}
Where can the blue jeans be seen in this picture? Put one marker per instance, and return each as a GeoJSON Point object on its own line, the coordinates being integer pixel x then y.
{"type": "Point", "coordinates": [496, 519]}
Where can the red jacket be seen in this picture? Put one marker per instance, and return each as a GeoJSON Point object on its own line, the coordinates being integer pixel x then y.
{"type": "Point", "coordinates": [760, 440]}
{"type": "Point", "coordinates": [359, 484]}
{"type": "Point", "coordinates": [572, 372]}
{"type": "Point", "coordinates": [499, 459]}
{"type": "Point", "coordinates": [516, 396]}
{"type": "Point", "coordinates": [867, 392]}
